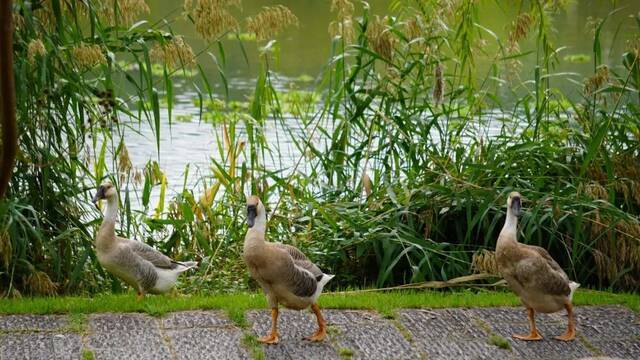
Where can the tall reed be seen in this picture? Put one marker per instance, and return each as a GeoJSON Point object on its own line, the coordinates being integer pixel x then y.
{"type": "Point", "coordinates": [407, 149]}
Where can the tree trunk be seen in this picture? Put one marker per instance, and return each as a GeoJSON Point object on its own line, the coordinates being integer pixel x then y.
{"type": "Point", "coordinates": [7, 96]}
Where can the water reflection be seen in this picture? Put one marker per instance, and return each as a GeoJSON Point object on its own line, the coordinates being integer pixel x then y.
{"type": "Point", "coordinates": [307, 49]}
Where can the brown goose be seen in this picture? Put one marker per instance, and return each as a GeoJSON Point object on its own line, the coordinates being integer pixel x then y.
{"type": "Point", "coordinates": [286, 275]}
{"type": "Point", "coordinates": [533, 275]}
{"type": "Point", "coordinates": [144, 268]}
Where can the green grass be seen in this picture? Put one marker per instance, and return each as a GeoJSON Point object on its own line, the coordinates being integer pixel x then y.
{"type": "Point", "coordinates": [500, 342]}
{"type": "Point", "coordinates": [345, 353]}
{"type": "Point", "coordinates": [251, 343]}
{"type": "Point", "coordinates": [403, 330]}
{"type": "Point", "coordinates": [594, 350]}
{"type": "Point", "coordinates": [435, 199]}
{"type": "Point", "coordinates": [87, 354]}
{"type": "Point", "coordinates": [78, 322]}
{"type": "Point", "coordinates": [333, 330]}
{"type": "Point", "coordinates": [494, 339]}
{"type": "Point", "coordinates": [236, 304]}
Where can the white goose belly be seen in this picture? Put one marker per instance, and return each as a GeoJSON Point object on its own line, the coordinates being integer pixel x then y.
{"type": "Point", "coordinates": [292, 301]}
{"type": "Point", "coordinates": [544, 303]}
{"type": "Point", "coordinates": [115, 268]}
{"type": "Point", "coordinates": [166, 280]}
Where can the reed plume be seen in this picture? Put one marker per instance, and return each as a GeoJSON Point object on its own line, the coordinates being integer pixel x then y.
{"type": "Point", "coordinates": [484, 261]}
{"type": "Point", "coordinates": [88, 56]}
{"type": "Point", "coordinates": [122, 12]}
{"type": "Point", "coordinates": [380, 37]}
{"type": "Point", "coordinates": [594, 83]}
{"type": "Point", "coordinates": [343, 25]}
{"type": "Point", "coordinates": [270, 21]}
{"type": "Point", "coordinates": [212, 17]}
{"type": "Point", "coordinates": [35, 49]}
{"type": "Point", "coordinates": [175, 53]}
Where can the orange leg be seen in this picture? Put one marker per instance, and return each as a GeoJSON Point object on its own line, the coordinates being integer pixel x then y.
{"type": "Point", "coordinates": [272, 338]}
{"type": "Point", "coordinates": [534, 335]}
{"type": "Point", "coordinates": [570, 334]}
{"type": "Point", "coordinates": [322, 325]}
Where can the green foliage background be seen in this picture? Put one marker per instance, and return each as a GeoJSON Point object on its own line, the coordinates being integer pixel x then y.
{"type": "Point", "coordinates": [402, 182]}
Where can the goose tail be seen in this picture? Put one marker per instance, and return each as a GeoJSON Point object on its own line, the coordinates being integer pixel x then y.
{"type": "Point", "coordinates": [322, 281]}
{"type": "Point", "coordinates": [185, 265]}
{"type": "Point", "coordinates": [573, 286]}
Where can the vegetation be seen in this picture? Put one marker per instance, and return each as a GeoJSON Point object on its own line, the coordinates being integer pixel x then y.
{"type": "Point", "coordinates": [87, 355]}
{"type": "Point", "coordinates": [407, 150]}
{"type": "Point", "coordinates": [345, 353]}
{"type": "Point", "coordinates": [500, 342]}
{"type": "Point", "coordinates": [236, 304]}
{"type": "Point", "coordinates": [255, 348]}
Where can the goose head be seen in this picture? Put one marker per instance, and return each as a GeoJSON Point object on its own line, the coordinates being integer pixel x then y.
{"type": "Point", "coordinates": [255, 210]}
{"type": "Point", "coordinates": [514, 203]}
{"type": "Point", "coordinates": [105, 191]}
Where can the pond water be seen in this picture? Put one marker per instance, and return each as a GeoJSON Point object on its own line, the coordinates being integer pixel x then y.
{"type": "Point", "coordinates": [306, 49]}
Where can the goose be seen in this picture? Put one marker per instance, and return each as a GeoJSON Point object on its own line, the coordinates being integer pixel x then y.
{"type": "Point", "coordinates": [533, 275]}
{"type": "Point", "coordinates": [285, 274]}
{"type": "Point", "coordinates": [144, 268]}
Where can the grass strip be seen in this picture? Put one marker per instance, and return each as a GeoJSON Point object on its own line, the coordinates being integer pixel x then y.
{"type": "Point", "coordinates": [236, 304]}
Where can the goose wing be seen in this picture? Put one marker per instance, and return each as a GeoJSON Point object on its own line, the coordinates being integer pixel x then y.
{"type": "Point", "coordinates": [548, 259]}
{"type": "Point", "coordinates": [150, 254]}
{"type": "Point", "coordinates": [539, 272]}
{"type": "Point", "coordinates": [300, 259]}
{"type": "Point", "coordinates": [133, 268]}
{"type": "Point", "coordinates": [301, 275]}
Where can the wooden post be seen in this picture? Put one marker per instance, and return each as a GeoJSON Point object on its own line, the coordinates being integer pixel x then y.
{"type": "Point", "coordinates": [7, 96]}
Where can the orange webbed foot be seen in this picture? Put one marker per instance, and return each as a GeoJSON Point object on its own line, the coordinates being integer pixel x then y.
{"type": "Point", "coordinates": [568, 336]}
{"type": "Point", "coordinates": [270, 339]}
{"type": "Point", "coordinates": [320, 334]}
{"type": "Point", "coordinates": [530, 337]}
{"type": "Point", "coordinates": [317, 336]}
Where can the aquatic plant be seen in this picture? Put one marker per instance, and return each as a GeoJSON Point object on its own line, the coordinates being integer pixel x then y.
{"type": "Point", "coordinates": [407, 150]}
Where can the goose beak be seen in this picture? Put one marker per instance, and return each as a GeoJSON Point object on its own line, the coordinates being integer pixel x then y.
{"type": "Point", "coordinates": [99, 195]}
{"type": "Point", "coordinates": [252, 212]}
{"type": "Point", "coordinates": [516, 206]}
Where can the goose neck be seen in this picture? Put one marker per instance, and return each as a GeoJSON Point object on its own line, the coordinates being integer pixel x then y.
{"type": "Point", "coordinates": [111, 213]}
{"type": "Point", "coordinates": [260, 224]}
{"type": "Point", "coordinates": [510, 229]}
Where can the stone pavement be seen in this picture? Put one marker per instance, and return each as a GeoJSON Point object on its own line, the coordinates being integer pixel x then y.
{"type": "Point", "coordinates": [603, 332]}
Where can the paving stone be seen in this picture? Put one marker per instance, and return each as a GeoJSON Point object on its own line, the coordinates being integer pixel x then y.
{"type": "Point", "coordinates": [621, 349]}
{"type": "Point", "coordinates": [349, 317]}
{"type": "Point", "coordinates": [32, 322]}
{"type": "Point", "coordinates": [597, 322]}
{"type": "Point", "coordinates": [40, 345]}
{"type": "Point", "coordinates": [368, 335]}
{"type": "Point", "coordinates": [292, 327]}
{"type": "Point", "coordinates": [120, 336]}
{"type": "Point", "coordinates": [449, 334]}
{"type": "Point", "coordinates": [604, 332]}
{"type": "Point", "coordinates": [613, 330]}
{"type": "Point", "coordinates": [223, 343]}
{"type": "Point", "coordinates": [507, 321]}
{"type": "Point", "coordinates": [549, 348]}
{"type": "Point", "coordinates": [451, 324]}
{"type": "Point", "coordinates": [203, 335]}
{"type": "Point", "coordinates": [192, 319]}
{"type": "Point", "coordinates": [610, 330]}
{"type": "Point", "coordinates": [121, 322]}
